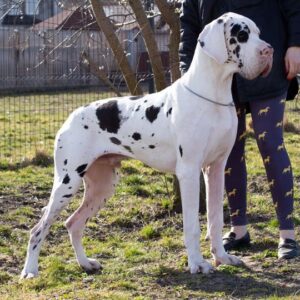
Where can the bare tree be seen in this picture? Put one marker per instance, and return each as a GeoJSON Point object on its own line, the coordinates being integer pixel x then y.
{"type": "Point", "coordinates": [120, 56]}
{"type": "Point", "coordinates": [151, 45]}
{"type": "Point", "coordinates": [98, 71]}
{"type": "Point", "coordinates": [168, 11]}
{"type": "Point", "coordinates": [170, 15]}
{"type": "Point", "coordinates": [110, 26]}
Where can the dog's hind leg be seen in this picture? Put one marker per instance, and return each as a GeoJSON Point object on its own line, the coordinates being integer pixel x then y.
{"type": "Point", "coordinates": [99, 182]}
{"type": "Point", "coordinates": [66, 184]}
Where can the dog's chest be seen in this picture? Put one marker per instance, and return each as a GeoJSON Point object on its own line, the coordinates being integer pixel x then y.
{"type": "Point", "coordinates": [221, 136]}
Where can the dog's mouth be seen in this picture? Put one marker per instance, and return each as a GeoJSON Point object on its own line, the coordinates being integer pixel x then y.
{"type": "Point", "coordinates": [267, 69]}
{"type": "Point", "coordinates": [263, 70]}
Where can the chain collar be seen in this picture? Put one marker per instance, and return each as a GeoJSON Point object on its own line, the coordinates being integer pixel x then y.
{"type": "Point", "coordinates": [209, 100]}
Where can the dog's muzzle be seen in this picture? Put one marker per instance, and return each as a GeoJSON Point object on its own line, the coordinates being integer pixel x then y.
{"type": "Point", "coordinates": [267, 60]}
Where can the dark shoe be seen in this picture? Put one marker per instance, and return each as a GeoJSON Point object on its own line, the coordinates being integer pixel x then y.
{"type": "Point", "coordinates": [288, 249]}
{"type": "Point", "coordinates": [231, 243]}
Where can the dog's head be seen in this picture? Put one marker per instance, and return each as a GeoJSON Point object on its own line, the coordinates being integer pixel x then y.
{"type": "Point", "coordinates": [234, 39]}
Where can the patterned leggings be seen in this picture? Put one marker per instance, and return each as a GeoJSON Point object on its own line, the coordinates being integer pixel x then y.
{"type": "Point", "coordinates": [267, 118]}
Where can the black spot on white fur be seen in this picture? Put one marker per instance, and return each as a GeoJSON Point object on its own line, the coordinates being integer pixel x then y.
{"type": "Point", "coordinates": [65, 162]}
{"type": "Point", "coordinates": [128, 148]}
{"type": "Point", "coordinates": [152, 112]}
{"type": "Point", "coordinates": [246, 28]}
{"type": "Point", "coordinates": [67, 196]}
{"type": "Point", "coordinates": [240, 32]}
{"type": "Point", "coordinates": [66, 179]}
{"type": "Point", "coordinates": [180, 150]}
{"type": "Point", "coordinates": [151, 146]}
{"type": "Point", "coordinates": [81, 170]}
{"type": "Point", "coordinates": [237, 50]}
{"type": "Point", "coordinates": [169, 112]}
{"type": "Point", "coordinates": [116, 141]}
{"type": "Point", "coordinates": [235, 29]}
{"type": "Point", "coordinates": [232, 41]}
{"type": "Point", "coordinates": [136, 136]}
{"type": "Point", "coordinates": [108, 115]}
{"type": "Point", "coordinates": [243, 36]}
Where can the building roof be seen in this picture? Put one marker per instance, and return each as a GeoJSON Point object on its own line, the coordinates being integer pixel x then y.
{"type": "Point", "coordinates": [78, 18]}
{"type": "Point", "coordinates": [20, 20]}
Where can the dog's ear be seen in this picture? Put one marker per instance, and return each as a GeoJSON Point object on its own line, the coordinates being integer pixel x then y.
{"type": "Point", "coordinates": [212, 40]}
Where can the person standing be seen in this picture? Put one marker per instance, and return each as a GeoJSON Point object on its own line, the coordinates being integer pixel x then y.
{"type": "Point", "coordinates": [279, 22]}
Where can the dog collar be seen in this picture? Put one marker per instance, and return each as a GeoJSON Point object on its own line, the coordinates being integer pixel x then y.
{"type": "Point", "coordinates": [209, 100]}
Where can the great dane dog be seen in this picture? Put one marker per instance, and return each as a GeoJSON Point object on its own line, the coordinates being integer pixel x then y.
{"type": "Point", "coordinates": [188, 126]}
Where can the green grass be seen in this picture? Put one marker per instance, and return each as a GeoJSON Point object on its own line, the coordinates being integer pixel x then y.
{"type": "Point", "coordinates": [138, 240]}
{"type": "Point", "coordinates": [28, 123]}
{"type": "Point", "coordinates": [149, 232]}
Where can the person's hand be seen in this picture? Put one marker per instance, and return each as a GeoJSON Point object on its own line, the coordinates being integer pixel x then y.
{"type": "Point", "coordinates": [292, 62]}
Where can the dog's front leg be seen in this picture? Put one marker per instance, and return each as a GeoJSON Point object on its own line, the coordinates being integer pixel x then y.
{"type": "Point", "coordinates": [214, 179]}
{"type": "Point", "coordinates": [188, 176]}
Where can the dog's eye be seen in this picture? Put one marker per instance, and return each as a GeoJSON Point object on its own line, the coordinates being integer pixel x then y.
{"type": "Point", "coordinates": [243, 36]}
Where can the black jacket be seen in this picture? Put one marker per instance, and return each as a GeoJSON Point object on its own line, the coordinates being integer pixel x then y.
{"type": "Point", "coordinates": [279, 22]}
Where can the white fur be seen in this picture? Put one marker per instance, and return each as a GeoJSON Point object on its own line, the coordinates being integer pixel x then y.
{"type": "Point", "coordinates": [188, 134]}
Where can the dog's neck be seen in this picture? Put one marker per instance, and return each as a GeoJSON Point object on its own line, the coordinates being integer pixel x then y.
{"type": "Point", "coordinates": [218, 88]}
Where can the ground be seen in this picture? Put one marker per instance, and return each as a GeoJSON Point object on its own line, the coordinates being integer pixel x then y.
{"type": "Point", "coordinates": [138, 240]}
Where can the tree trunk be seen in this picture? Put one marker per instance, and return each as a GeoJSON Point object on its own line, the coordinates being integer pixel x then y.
{"type": "Point", "coordinates": [177, 207]}
{"type": "Point", "coordinates": [150, 42]}
{"type": "Point", "coordinates": [172, 19]}
{"type": "Point", "coordinates": [168, 14]}
{"type": "Point", "coordinates": [109, 32]}
{"type": "Point", "coordinates": [94, 69]}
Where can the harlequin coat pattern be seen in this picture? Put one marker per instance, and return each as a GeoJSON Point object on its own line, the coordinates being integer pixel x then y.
{"type": "Point", "coordinates": [188, 126]}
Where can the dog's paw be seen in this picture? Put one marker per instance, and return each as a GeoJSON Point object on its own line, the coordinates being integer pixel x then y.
{"type": "Point", "coordinates": [28, 274]}
{"type": "Point", "coordinates": [228, 259]}
{"type": "Point", "coordinates": [201, 267]}
{"type": "Point", "coordinates": [91, 265]}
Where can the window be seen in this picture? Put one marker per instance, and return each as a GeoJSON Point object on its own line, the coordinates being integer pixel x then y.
{"type": "Point", "coordinates": [15, 7]}
{"type": "Point", "coordinates": [21, 12]}
{"type": "Point", "coordinates": [22, 7]}
{"type": "Point", "coordinates": [31, 7]}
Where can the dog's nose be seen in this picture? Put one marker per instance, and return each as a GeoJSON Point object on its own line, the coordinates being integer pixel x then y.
{"type": "Point", "coordinates": [267, 51]}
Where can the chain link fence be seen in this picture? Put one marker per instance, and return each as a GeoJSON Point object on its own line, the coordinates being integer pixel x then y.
{"type": "Point", "coordinates": [44, 74]}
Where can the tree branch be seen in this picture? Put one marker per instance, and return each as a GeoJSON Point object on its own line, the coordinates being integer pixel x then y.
{"type": "Point", "coordinates": [94, 69]}
{"type": "Point", "coordinates": [108, 30]}
{"type": "Point", "coordinates": [150, 42]}
{"type": "Point", "coordinates": [172, 20]}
